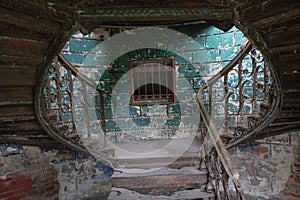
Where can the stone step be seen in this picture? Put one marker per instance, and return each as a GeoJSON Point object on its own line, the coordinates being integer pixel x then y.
{"type": "Point", "coordinates": [185, 177]}
{"type": "Point", "coordinates": [163, 194]}
{"type": "Point", "coordinates": [147, 163]}
{"type": "Point", "coordinates": [156, 153]}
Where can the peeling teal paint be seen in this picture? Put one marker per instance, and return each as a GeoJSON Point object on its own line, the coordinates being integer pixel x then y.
{"type": "Point", "coordinates": [194, 66]}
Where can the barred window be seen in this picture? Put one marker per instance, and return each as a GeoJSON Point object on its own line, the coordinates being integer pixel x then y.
{"type": "Point", "coordinates": [152, 81]}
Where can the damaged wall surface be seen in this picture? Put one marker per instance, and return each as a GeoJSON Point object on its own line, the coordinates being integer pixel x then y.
{"type": "Point", "coordinates": [269, 169]}
{"type": "Point", "coordinates": [194, 65]}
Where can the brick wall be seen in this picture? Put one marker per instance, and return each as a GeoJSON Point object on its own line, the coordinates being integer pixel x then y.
{"type": "Point", "coordinates": [38, 173]}
{"type": "Point", "coordinates": [26, 173]}
{"type": "Point", "coordinates": [269, 169]}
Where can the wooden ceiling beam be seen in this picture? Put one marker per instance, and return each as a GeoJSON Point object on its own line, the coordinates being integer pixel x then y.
{"type": "Point", "coordinates": [277, 18]}
{"type": "Point", "coordinates": [27, 21]}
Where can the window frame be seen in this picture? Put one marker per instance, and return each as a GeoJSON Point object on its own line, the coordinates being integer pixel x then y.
{"type": "Point", "coordinates": [170, 98]}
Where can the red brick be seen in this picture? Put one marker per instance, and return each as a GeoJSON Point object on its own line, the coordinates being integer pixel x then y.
{"type": "Point", "coordinates": [292, 194]}
{"type": "Point", "coordinates": [18, 196]}
{"type": "Point", "coordinates": [8, 194]}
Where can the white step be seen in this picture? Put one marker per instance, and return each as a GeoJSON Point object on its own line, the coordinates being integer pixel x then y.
{"type": "Point", "coordinates": [125, 194]}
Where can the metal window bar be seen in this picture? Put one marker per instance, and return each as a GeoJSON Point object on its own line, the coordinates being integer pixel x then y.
{"type": "Point", "coordinates": [152, 93]}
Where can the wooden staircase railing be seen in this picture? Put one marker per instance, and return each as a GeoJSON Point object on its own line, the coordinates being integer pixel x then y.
{"type": "Point", "coordinates": [235, 104]}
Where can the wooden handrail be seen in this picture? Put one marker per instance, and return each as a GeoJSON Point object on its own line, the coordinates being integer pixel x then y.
{"type": "Point", "coordinates": [246, 47]}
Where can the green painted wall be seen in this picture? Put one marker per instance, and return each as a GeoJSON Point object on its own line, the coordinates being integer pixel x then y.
{"type": "Point", "coordinates": [193, 67]}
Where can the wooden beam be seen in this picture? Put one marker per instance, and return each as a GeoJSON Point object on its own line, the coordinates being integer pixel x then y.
{"type": "Point", "coordinates": [288, 63]}
{"type": "Point", "coordinates": [148, 14]}
{"type": "Point", "coordinates": [43, 9]}
{"type": "Point", "coordinates": [17, 110]}
{"type": "Point", "coordinates": [20, 60]}
{"type": "Point", "coordinates": [19, 126]}
{"type": "Point", "coordinates": [16, 96]}
{"type": "Point", "coordinates": [290, 81]}
{"type": "Point", "coordinates": [284, 37]}
{"type": "Point", "coordinates": [22, 47]}
{"type": "Point", "coordinates": [33, 141]}
{"type": "Point", "coordinates": [11, 30]}
{"type": "Point", "coordinates": [285, 49]}
{"type": "Point", "coordinates": [277, 17]}
{"type": "Point", "coordinates": [262, 9]}
{"type": "Point", "coordinates": [14, 76]}
{"type": "Point", "coordinates": [26, 21]}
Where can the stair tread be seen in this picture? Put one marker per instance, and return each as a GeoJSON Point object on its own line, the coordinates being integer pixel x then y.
{"type": "Point", "coordinates": [164, 148]}
{"type": "Point", "coordinates": [164, 171]}
{"type": "Point", "coordinates": [125, 194]}
{"type": "Point", "coordinates": [186, 177]}
{"type": "Point", "coordinates": [156, 163]}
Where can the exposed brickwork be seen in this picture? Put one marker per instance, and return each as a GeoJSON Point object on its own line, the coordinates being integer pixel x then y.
{"type": "Point", "coordinates": [26, 173]}
{"type": "Point", "coordinates": [35, 173]}
{"type": "Point", "coordinates": [292, 189]}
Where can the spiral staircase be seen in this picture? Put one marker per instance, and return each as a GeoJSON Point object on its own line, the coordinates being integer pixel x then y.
{"type": "Point", "coordinates": [33, 32]}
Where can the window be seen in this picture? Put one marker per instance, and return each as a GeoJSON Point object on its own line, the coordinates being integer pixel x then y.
{"type": "Point", "coordinates": [152, 81]}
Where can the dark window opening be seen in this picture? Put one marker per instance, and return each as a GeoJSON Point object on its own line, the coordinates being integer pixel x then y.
{"type": "Point", "coordinates": [152, 81]}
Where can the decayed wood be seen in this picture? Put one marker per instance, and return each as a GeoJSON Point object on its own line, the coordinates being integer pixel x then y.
{"type": "Point", "coordinates": [33, 141]}
{"type": "Point", "coordinates": [32, 134]}
{"type": "Point", "coordinates": [14, 76]}
{"type": "Point", "coordinates": [278, 18]}
{"type": "Point", "coordinates": [17, 110]}
{"type": "Point", "coordinates": [288, 63]}
{"type": "Point", "coordinates": [148, 14]}
{"type": "Point", "coordinates": [285, 49]}
{"type": "Point", "coordinates": [20, 60]}
{"type": "Point", "coordinates": [16, 95]}
{"type": "Point", "coordinates": [294, 94]}
{"type": "Point", "coordinates": [23, 20]}
{"type": "Point", "coordinates": [11, 30]}
{"type": "Point", "coordinates": [257, 10]}
{"type": "Point", "coordinates": [89, 4]}
{"type": "Point", "coordinates": [272, 131]}
{"type": "Point", "coordinates": [291, 37]}
{"type": "Point", "coordinates": [290, 81]}
{"type": "Point", "coordinates": [45, 10]}
{"type": "Point", "coordinates": [22, 47]}
{"type": "Point", "coordinates": [281, 25]}
{"type": "Point", "coordinates": [7, 125]}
